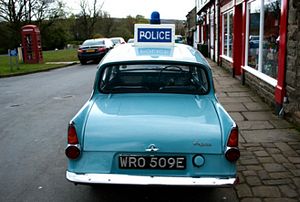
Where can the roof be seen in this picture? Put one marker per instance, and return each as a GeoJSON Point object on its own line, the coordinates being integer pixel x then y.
{"type": "Point", "coordinates": [97, 39]}
{"type": "Point", "coordinates": [132, 52]}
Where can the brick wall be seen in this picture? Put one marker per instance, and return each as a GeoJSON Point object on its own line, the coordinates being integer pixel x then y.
{"type": "Point", "coordinates": [292, 109]}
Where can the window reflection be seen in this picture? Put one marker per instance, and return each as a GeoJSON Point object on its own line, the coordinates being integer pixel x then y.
{"type": "Point", "coordinates": [212, 40]}
{"type": "Point", "coordinates": [271, 37]}
{"type": "Point", "coordinates": [228, 29]}
{"type": "Point", "coordinates": [253, 46]}
{"type": "Point", "coordinates": [270, 32]}
{"type": "Point", "coordinates": [225, 34]}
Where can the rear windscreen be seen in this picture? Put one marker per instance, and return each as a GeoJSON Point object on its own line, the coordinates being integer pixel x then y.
{"type": "Point", "coordinates": [152, 78]}
{"type": "Point", "coordinates": [93, 43]}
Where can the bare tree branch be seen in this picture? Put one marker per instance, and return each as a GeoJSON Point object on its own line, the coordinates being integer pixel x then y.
{"type": "Point", "coordinates": [89, 15]}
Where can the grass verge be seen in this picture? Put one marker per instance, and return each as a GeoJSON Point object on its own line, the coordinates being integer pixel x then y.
{"type": "Point", "coordinates": [48, 56]}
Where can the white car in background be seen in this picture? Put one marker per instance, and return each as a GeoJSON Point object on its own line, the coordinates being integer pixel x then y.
{"type": "Point", "coordinates": [117, 40]}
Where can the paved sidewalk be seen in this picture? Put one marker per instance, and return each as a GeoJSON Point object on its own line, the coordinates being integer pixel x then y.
{"type": "Point", "coordinates": [269, 167]}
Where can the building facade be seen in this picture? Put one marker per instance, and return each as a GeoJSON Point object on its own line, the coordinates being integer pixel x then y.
{"type": "Point", "coordinates": [208, 29]}
{"type": "Point", "coordinates": [191, 31]}
{"type": "Point", "coordinates": [258, 42]}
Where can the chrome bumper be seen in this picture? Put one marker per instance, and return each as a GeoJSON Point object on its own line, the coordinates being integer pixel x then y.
{"type": "Point", "coordinates": [148, 180]}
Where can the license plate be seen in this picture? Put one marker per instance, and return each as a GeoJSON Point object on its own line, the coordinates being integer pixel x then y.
{"type": "Point", "coordinates": [90, 50]}
{"type": "Point", "coordinates": [152, 162]}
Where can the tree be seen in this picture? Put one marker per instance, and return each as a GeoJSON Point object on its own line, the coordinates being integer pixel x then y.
{"type": "Point", "coordinates": [106, 25]}
{"type": "Point", "coordinates": [88, 16]}
{"type": "Point", "coordinates": [19, 12]}
{"type": "Point", "coordinates": [141, 19]}
{"type": "Point", "coordinates": [56, 35]}
{"type": "Point", "coordinates": [16, 11]}
{"type": "Point", "coordinates": [127, 25]}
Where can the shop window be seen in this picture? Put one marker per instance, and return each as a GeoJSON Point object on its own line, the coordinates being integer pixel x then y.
{"type": "Point", "coordinates": [263, 36]}
{"type": "Point", "coordinates": [253, 27]}
{"type": "Point", "coordinates": [212, 40]}
{"type": "Point", "coordinates": [227, 33]}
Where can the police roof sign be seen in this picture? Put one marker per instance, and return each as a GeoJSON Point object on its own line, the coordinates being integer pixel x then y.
{"type": "Point", "coordinates": [162, 34]}
{"type": "Point", "coordinates": [155, 35]}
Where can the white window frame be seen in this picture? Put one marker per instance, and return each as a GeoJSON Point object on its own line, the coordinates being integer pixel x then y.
{"type": "Point", "coordinates": [212, 32]}
{"type": "Point", "coordinates": [227, 57]}
{"type": "Point", "coordinates": [201, 34]}
{"type": "Point", "coordinates": [258, 73]}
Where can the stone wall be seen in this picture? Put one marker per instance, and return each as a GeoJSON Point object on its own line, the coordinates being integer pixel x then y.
{"type": "Point", "coordinates": [263, 89]}
{"type": "Point", "coordinates": [292, 108]}
{"type": "Point", "coordinates": [266, 91]}
{"type": "Point", "coordinates": [227, 65]}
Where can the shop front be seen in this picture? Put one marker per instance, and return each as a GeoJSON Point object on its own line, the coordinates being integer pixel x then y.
{"type": "Point", "coordinates": [253, 45]}
{"type": "Point", "coordinates": [207, 25]}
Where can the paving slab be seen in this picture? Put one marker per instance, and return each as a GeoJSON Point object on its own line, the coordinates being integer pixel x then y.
{"type": "Point", "coordinates": [256, 106]}
{"type": "Point", "coordinates": [259, 116]}
{"type": "Point", "coordinates": [240, 94]}
{"type": "Point", "coordinates": [270, 135]}
{"type": "Point", "coordinates": [234, 99]}
{"type": "Point", "coordinates": [280, 123]}
{"type": "Point", "coordinates": [254, 125]}
{"type": "Point", "coordinates": [269, 166]}
{"type": "Point", "coordinates": [234, 107]}
{"type": "Point", "coordinates": [237, 116]}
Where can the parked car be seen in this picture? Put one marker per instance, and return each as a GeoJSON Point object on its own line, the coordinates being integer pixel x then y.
{"type": "Point", "coordinates": [178, 39]}
{"type": "Point", "coordinates": [253, 41]}
{"type": "Point", "coordinates": [117, 40]}
{"type": "Point", "coordinates": [94, 49]}
{"type": "Point", "coordinates": [153, 119]}
{"type": "Point", "coordinates": [131, 40]}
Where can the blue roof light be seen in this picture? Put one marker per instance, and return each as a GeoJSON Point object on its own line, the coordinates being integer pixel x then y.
{"type": "Point", "coordinates": [155, 18]}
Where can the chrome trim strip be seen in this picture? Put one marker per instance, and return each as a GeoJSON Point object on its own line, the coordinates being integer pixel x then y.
{"type": "Point", "coordinates": [228, 148]}
{"type": "Point", "coordinates": [75, 145]}
{"type": "Point", "coordinates": [148, 180]}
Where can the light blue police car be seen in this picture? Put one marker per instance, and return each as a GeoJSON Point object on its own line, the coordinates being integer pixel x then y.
{"type": "Point", "coordinates": [153, 119]}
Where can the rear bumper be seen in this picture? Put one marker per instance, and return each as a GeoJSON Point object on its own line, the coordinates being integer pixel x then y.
{"type": "Point", "coordinates": [148, 180]}
{"type": "Point", "coordinates": [91, 56]}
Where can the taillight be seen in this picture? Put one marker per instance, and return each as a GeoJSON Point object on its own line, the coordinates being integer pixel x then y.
{"type": "Point", "coordinates": [73, 149]}
{"type": "Point", "coordinates": [232, 153]}
{"type": "Point", "coordinates": [101, 49]}
{"type": "Point", "coordinates": [72, 135]}
{"type": "Point", "coordinates": [233, 140]}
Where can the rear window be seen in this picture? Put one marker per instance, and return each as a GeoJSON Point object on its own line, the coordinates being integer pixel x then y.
{"type": "Point", "coordinates": [154, 78]}
{"type": "Point", "coordinates": [93, 42]}
{"type": "Point", "coordinates": [116, 41]}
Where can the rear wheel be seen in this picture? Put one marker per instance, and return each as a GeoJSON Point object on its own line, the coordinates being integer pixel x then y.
{"type": "Point", "coordinates": [83, 62]}
{"type": "Point", "coordinates": [97, 61]}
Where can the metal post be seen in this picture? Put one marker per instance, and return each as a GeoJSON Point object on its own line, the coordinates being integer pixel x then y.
{"type": "Point", "coordinates": [17, 62]}
{"type": "Point", "coordinates": [10, 62]}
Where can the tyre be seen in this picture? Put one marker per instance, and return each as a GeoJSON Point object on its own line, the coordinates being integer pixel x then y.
{"type": "Point", "coordinates": [83, 62]}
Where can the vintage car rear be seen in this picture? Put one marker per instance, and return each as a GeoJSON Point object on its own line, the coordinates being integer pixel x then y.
{"type": "Point", "coordinates": [153, 119]}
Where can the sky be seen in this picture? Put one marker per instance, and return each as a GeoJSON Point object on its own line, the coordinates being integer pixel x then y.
{"type": "Point", "coordinates": [168, 9]}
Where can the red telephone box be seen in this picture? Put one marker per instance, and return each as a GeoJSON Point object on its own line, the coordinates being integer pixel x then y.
{"type": "Point", "coordinates": [31, 43]}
